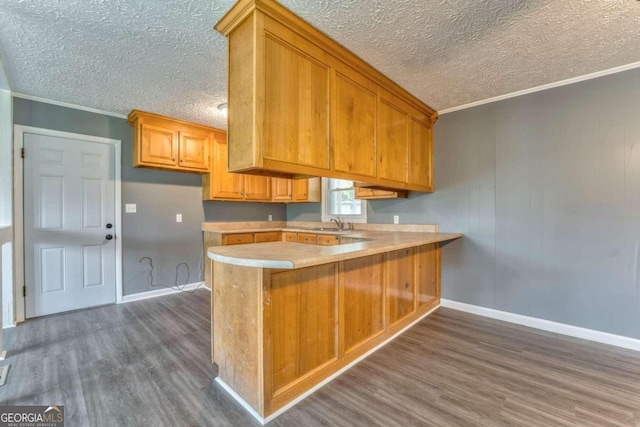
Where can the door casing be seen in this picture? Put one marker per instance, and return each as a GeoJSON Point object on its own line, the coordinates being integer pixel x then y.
{"type": "Point", "coordinates": [18, 211]}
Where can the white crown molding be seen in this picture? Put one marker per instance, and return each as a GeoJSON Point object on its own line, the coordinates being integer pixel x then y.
{"type": "Point", "coordinates": [546, 325]}
{"type": "Point", "coordinates": [169, 290]}
{"type": "Point", "coordinates": [68, 105]}
{"type": "Point", "coordinates": [543, 87]}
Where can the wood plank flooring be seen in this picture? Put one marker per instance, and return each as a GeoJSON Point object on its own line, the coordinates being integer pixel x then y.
{"type": "Point", "coordinates": [147, 364]}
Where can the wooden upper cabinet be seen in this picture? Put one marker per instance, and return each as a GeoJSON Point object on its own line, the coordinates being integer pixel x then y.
{"type": "Point", "coordinates": [223, 185]}
{"type": "Point", "coordinates": [354, 127]}
{"type": "Point", "coordinates": [300, 104]}
{"type": "Point", "coordinates": [296, 99]}
{"type": "Point", "coordinates": [364, 193]}
{"type": "Point", "coordinates": [164, 143]}
{"type": "Point", "coordinates": [306, 190]}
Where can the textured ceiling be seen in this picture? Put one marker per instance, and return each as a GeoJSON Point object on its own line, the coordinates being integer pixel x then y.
{"type": "Point", "coordinates": [165, 57]}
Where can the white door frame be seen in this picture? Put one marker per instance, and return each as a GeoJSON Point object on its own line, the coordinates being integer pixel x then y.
{"type": "Point", "coordinates": [18, 213]}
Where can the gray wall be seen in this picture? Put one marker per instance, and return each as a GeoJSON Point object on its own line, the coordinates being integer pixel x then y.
{"type": "Point", "coordinates": [159, 196]}
{"type": "Point", "coordinates": [546, 189]}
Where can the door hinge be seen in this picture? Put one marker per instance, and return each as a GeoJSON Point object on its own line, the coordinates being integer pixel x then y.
{"type": "Point", "coordinates": [24, 291]}
{"type": "Point", "coordinates": [22, 153]}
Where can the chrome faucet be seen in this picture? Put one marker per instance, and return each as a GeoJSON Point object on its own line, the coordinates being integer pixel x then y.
{"type": "Point", "coordinates": [338, 222]}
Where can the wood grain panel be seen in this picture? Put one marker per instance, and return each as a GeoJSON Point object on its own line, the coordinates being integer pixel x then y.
{"type": "Point", "coordinates": [257, 188]}
{"type": "Point", "coordinates": [428, 273]}
{"type": "Point", "coordinates": [274, 236]}
{"type": "Point", "coordinates": [400, 284]}
{"type": "Point", "coordinates": [237, 239]}
{"type": "Point", "coordinates": [361, 301]}
{"type": "Point", "coordinates": [237, 329]}
{"type": "Point", "coordinates": [220, 183]}
{"type": "Point", "coordinates": [281, 189]}
{"type": "Point", "coordinates": [194, 150]}
{"type": "Point", "coordinates": [302, 306]}
{"type": "Point", "coordinates": [159, 145]}
{"type": "Point", "coordinates": [296, 91]}
{"type": "Point", "coordinates": [353, 135]}
{"type": "Point", "coordinates": [420, 153]}
{"type": "Point", "coordinates": [392, 142]}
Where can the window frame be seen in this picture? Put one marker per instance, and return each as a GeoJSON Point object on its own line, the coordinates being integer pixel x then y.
{"type": "Point", "coordinates": [327, 217]}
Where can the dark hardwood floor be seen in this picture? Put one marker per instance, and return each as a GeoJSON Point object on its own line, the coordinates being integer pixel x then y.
{"type": "Point", "coordinates": [147, 364]}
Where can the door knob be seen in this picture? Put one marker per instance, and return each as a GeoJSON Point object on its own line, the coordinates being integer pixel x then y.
{"type": "Point", "coordinates": [108, 237]}
{"type": "Point", "coordinates": [109, 225]}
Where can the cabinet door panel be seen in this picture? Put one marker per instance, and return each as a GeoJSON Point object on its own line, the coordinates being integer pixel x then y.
{"type": "Point", "coordinates": [400, 282]}
{"type": "Point", "coordinates": [392, 142]}
{"type": "Point", "coordinates": [354, 127]}
{"type": "Point", "coordinates": [223, 184]}
{"type": "Point", "coordinates": [282, 190]}
{"type": "Point", "coordinates": [194, 151]}
{"type": "Point", "coordinates": [302, 306]}
{"type": "Point", "coordinates": [257, 187]}
{"type": "Point", "coordinates": [420, 152]}
{"type": "Point", "coordinates": [296, 93]}
{"type": "Point", "coordinates": [362, 301]}
{"type": "Point", "coordinates": [428, 273]}
{"type": "Point", "coordinates": [159, 145]}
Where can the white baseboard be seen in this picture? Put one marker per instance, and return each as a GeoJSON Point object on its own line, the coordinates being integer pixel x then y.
{"type": "Point", "coordinates": [162, 292]}
{"type": "Point", "coordinates": [546, 325]}
{"type": "Point", "coordinates": [265, 420]}
{"type": "Point", "coordinates": [10, 325]}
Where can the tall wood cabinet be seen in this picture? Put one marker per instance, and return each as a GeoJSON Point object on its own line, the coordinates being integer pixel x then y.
{"type": "Point", "coordinates": [301, 104]}
{"type": "Point", "coordinates": [161, 142]}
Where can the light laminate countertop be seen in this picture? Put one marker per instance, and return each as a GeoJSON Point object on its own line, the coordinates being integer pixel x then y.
{"type": "Point", "coordinates": [285, 255]}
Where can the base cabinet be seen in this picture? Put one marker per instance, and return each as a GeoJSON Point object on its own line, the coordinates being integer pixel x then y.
{"type": "Point", "coordinates": [313, 321]}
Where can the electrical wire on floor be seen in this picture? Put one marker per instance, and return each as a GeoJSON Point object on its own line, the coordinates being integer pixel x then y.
{"type": "Point", "coordinates": [175, 285]}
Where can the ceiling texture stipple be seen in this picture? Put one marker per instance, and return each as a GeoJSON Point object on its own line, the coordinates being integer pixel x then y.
{"type": "Point", "coordinates": [165, 57]}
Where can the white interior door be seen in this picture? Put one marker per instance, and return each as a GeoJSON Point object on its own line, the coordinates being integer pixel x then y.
{"type": "Point", "coordinates": [69, 229]}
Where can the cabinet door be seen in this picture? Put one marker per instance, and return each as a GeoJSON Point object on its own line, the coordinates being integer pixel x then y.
{"type": "Point", "coordinates": [273, 236]}
{"type": "Point", "coordinates": [223, 185]}
{"type": "Point", "coordinates": [392, 141]}
{"type": "Point", "coordinates": [354, 124]}
{"type": "Point", "coordinates": [420, 154]}
{"type": "Point", "coordinates": [193, 151]}
{"type": "Point", "coordinates": [159, 145]}
{"type": "Point", "coordinates": [296, 122]}
{"type": "Point", "coordinates": [257, 188]}
{"type": "Point", "coordinates": [400, 282]}
{"type": "Point", "coordinates": [428, 273]}
{"type": "Point", "coordinates": [362, 301]}
{"type": "Point", "coordinates": [281, 189]}
{"type": "Point", "coordinates": [302, 320]}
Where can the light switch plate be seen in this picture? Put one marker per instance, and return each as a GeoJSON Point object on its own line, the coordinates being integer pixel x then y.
{"type": "Point", "coordinates": [396, 219]}
{"type": "Point", "coordinates": [178, 217]}
{"type": "Point", "coordinates": [130, 208]}
{"type": "Point", "coordinates": [270, 217]}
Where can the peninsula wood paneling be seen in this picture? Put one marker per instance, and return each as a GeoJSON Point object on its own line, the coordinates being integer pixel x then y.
{"type": "Point", "coordinates": [361, 301]}
{"type": "Point", "coordinates": [400, 284]}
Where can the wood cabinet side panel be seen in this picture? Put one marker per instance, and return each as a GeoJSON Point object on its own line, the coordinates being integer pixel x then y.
{"type": "Point", "coordinates": [400, 284]}
{"type": "Point", "coordinates": [242, 95]}
{"type": "Point", "coordinates": [237, 330]}
{"type": "Point", "coordinates": [361, 301]}
{"type": "Point", "coordinates": [302, 322]}
{"type": "Point", "coordinates": [428, 273]}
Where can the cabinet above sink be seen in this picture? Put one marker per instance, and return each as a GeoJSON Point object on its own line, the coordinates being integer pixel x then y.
{"type": "Point", "coordinates": [300, 104]}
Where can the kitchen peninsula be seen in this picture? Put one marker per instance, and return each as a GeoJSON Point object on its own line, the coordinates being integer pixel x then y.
{"type": "Point", "coordinates": [291, 313]}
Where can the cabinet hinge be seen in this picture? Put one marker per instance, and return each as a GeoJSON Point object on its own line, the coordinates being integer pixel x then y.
{"type": "Point", "coordinates": [22, 153]}
{"type": "Point", "coordinates": [24, 291]}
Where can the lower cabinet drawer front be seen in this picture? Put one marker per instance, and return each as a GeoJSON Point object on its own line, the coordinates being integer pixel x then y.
{"type": "Point", "coordinates": [290, 237]}
{"type": "Point", "coordinates": [307, 238]}
{"type": "Point", "coordinates": [237, 239]}
{"type": "Point", "coordinates": [268, 237]}
{"type": "Point", "coordinates": [327, 240]}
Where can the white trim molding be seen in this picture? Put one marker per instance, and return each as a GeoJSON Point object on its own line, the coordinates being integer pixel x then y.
{"type": "Point", "coordinates": [546, 325]}
{"type": "Point", "coordinates": [68, 105]}
{"type": "Point", "coordinates": [163, 291]}
{"type": "Point", "coordinates": [18, 213]}
{"type": "Point", "coordinates": [265, 420]}
{"type": "Point", "coordinates": [540, 88]}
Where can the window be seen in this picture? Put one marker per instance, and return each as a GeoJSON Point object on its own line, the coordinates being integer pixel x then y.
{"type": "Point", "coordinates": [338, 199]}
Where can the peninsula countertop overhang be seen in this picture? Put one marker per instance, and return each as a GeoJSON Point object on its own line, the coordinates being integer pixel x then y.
{"type": "Point", "coordinates": [285, 255]}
